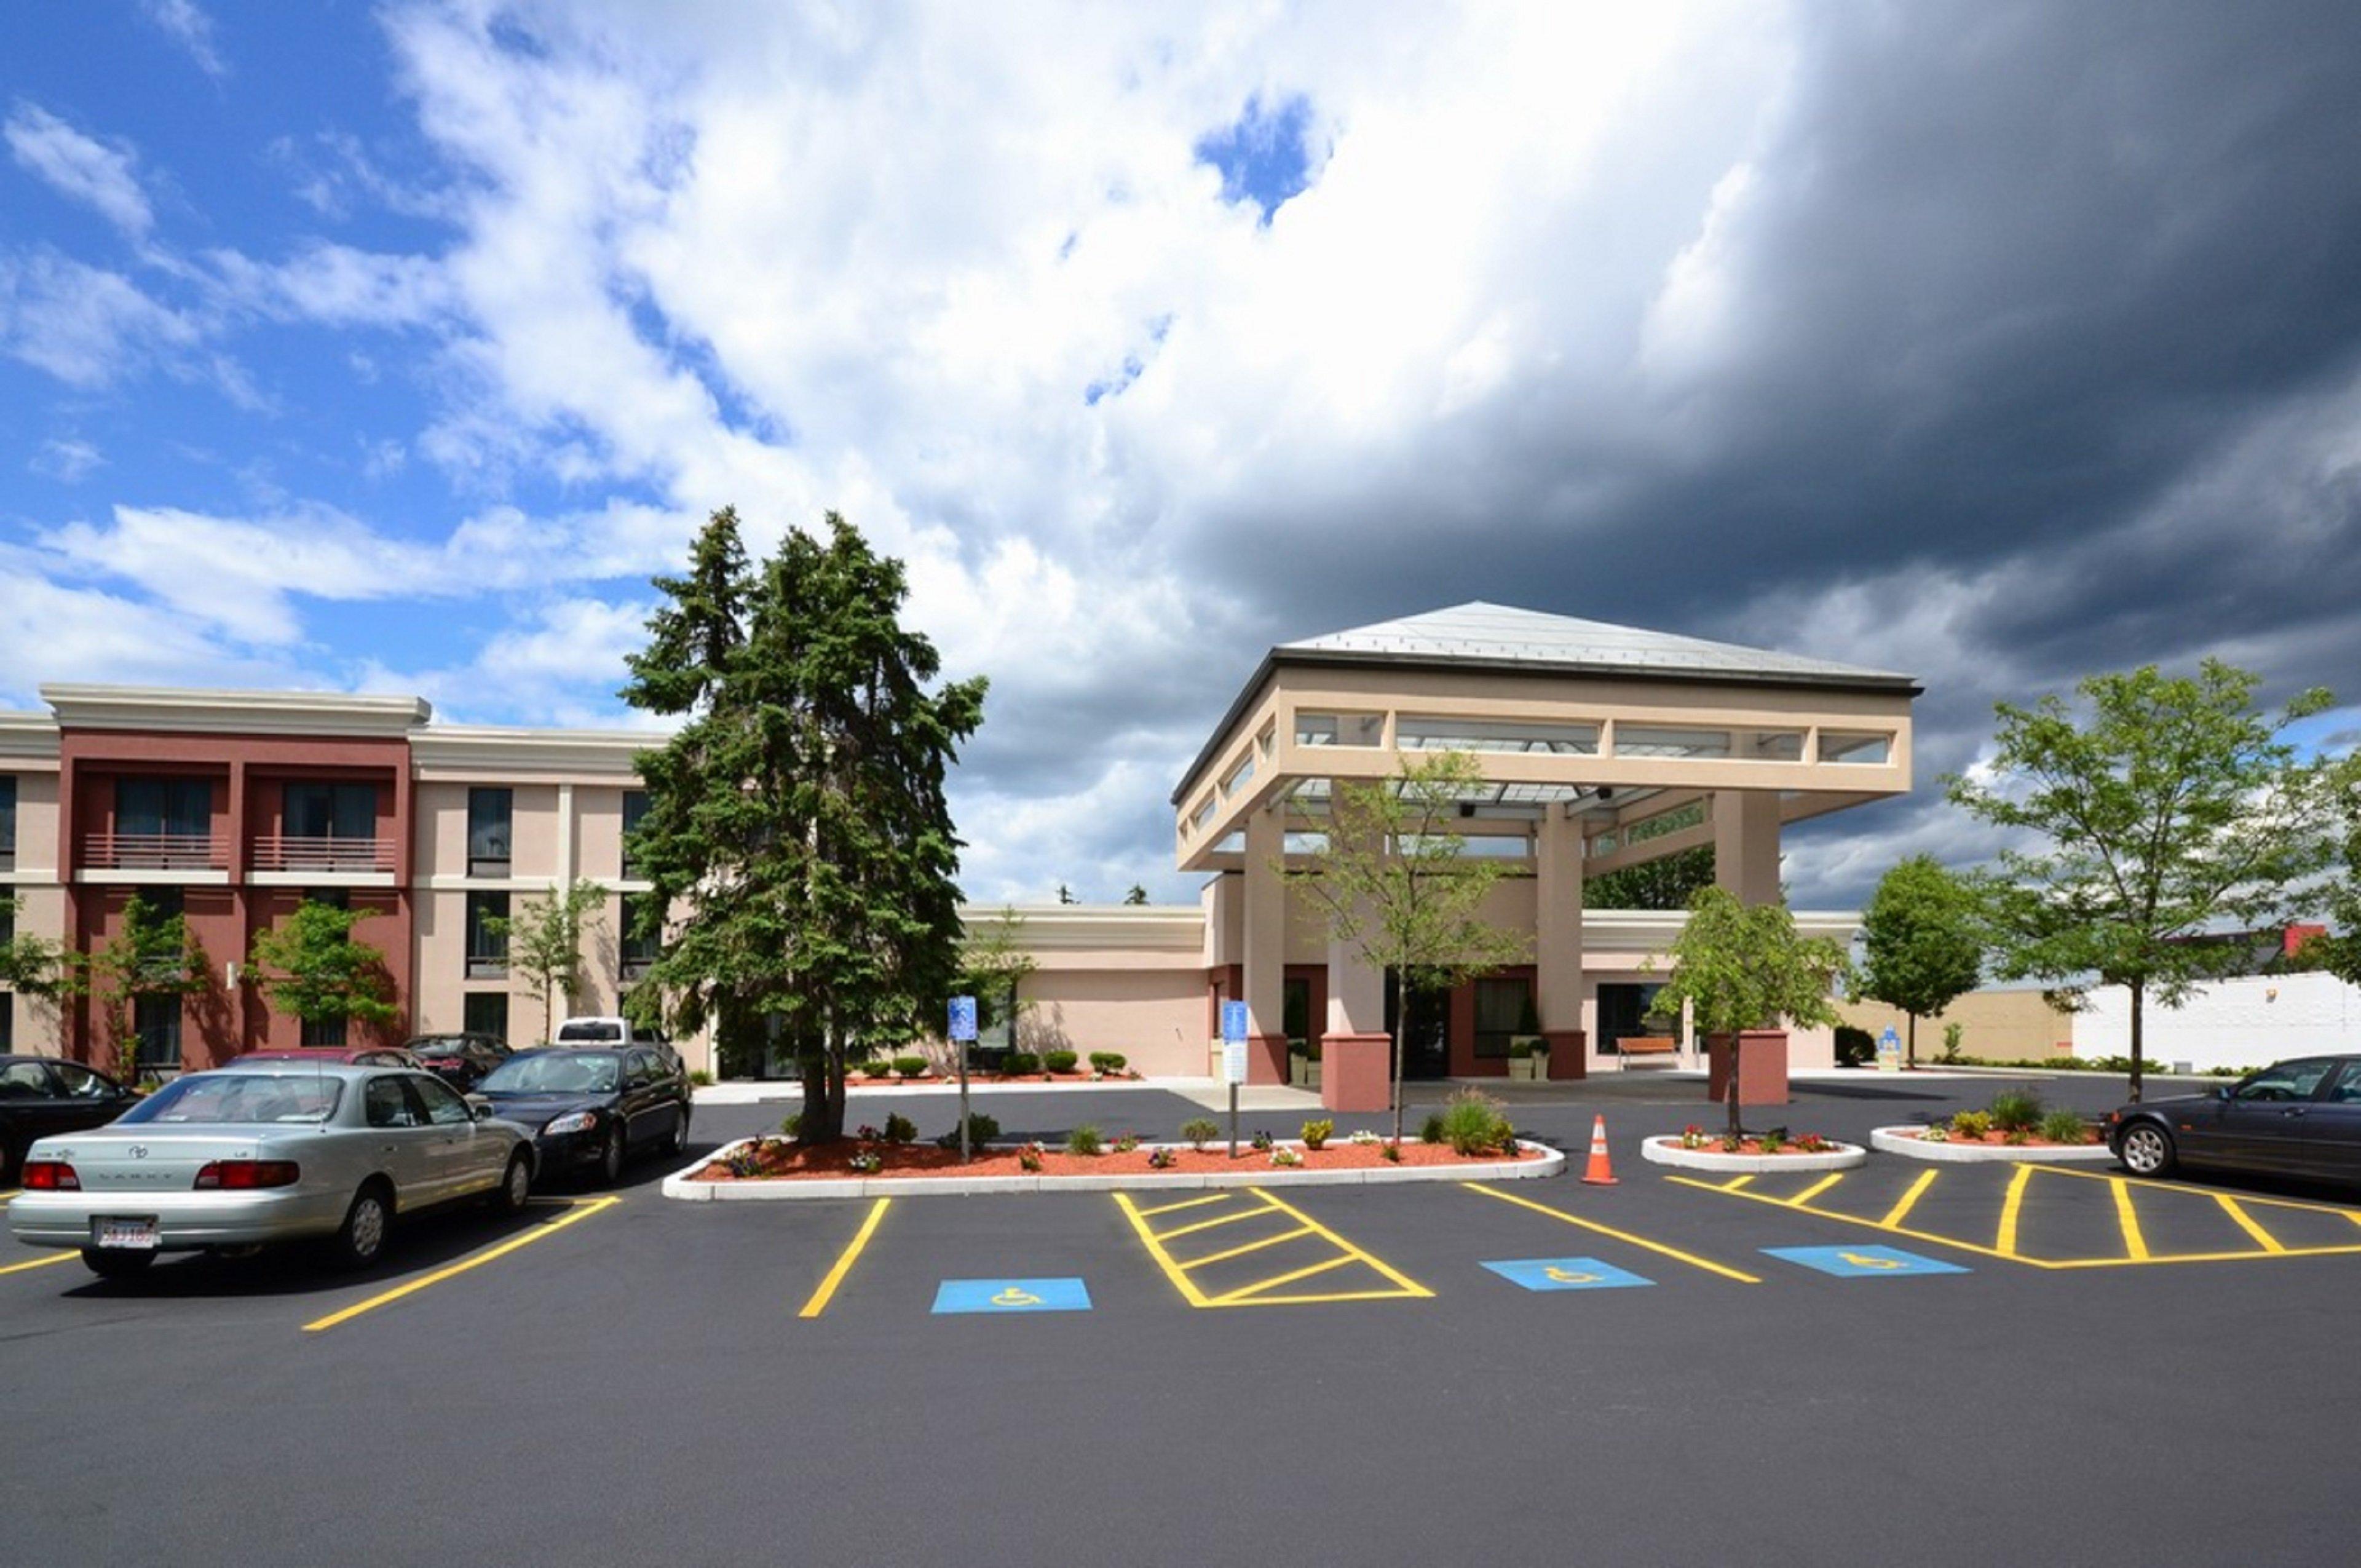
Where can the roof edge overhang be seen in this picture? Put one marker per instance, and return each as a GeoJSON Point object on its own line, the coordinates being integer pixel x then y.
{"type": "Point", "coordinates": [1866, 683]}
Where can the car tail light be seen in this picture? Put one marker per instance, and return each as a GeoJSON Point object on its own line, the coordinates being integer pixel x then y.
{"type": "Point", "coordinates": [50, 1176]}
{"type": "Point", "coordinates": [246, 1173]}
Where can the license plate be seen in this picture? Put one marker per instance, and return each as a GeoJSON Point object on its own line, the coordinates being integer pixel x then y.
{"type": "Point", "coordinates": [137, 1235]}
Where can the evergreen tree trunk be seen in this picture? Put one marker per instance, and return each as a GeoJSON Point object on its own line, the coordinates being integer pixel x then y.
{"type": "Point", "coordinates": [2138, 988]}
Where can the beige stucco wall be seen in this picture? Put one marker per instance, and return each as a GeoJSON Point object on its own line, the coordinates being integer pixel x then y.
{"type": "Point", "coordinates": [2002, 1026]}
{"type": "Point", "coordinates": [1156, 1017]}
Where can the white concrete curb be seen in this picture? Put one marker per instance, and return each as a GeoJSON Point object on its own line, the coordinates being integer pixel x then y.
{"type": "Point", "coordinates": [1902, 1141]}
{"type": "Point", "coordinates": [1667, 1150]}
{"type": "Point", "coordinates": [776, 1091]}
{"type": "Point", "coordinates": [1253, 1172]}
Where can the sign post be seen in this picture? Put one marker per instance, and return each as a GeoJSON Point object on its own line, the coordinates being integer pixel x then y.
{"type": "Point", "coordinates": [1234, 1061]}
{"type": "Point", "coordinates": [1889, 1051]}
{"type": "Point", "coordinates": [962, 1035]}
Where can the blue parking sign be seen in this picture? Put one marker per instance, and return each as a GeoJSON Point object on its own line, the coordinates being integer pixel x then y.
{"type": "Point", "coordinates": [1234, 1021]}
{"type": "Point", "coordinates": [962, 1017]}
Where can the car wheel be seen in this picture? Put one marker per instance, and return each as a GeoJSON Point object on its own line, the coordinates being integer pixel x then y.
{"type": "Point", "coordinates": [516, 1186]}
{"type": "Point", "coordinates": [678, 1143]}
{"type": "Point", "coordinates": [359, 1240]}
{"type": "Point", "coordinates": [610, 1158]}
{"type": "Point", "coordinates": [2145, 1149]}
{"type": "Point", "coordinates": [110, 1263]}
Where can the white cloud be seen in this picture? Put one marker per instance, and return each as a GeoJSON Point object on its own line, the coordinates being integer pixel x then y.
{"type": "Point", "coordinates": [192, 29]}
{"type": "Point", "coordinates": [80, 167]}
{"type": "Point", "coordinates": [83, 325]}
{"type": "Point", "coordinates": [69, 460]}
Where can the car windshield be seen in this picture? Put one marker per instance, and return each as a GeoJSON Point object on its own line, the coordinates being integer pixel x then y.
{"type": "Point", "coordinates": [239, 1099]}
{"type": "Point", "coordinates": [558, 1072]}
{"type": "Point", "coordinates": [589, 1030]}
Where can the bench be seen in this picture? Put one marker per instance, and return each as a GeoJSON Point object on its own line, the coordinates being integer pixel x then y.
{"type": "Point", "coordinates": [1663, 1045]}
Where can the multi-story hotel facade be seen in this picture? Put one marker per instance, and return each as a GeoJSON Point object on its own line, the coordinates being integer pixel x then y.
{"type": "Point", "coordinates": [1600, 747]}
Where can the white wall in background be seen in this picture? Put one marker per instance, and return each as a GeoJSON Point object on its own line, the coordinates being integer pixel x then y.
{"type": "Point", "coordinates": [2250, 1022]}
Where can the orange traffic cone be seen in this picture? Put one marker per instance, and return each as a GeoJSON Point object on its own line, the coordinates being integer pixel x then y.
{"type": "Point", "coordinates": [1600, 1173]}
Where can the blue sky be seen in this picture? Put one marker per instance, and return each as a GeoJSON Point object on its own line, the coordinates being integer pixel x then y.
{"type": "Point", "coordinates": [394, 346]}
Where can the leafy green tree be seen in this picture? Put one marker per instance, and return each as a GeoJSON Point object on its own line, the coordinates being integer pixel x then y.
{"type": "Point", "coordinates": [1065, 893]}
{"type": "Point", "coordinates": [152, 954]}
{"type": "Point", "coordinates": [799, 814]}
{"type": "Point", "coordinates": [2172, 809]}
{"type": "Point", "coordinates": [1668, 882]}
{"type": "Point", "coordinates": [544, 938]}
{"type": "Point", "coordinates": [1738, 967]}
{"type": "Point", "coordinates": [29, 965]}
{"type": "Point", "coordinates": [2340, 951]}
{"type": "Point", "coordinates": [1922, 947]}
{"type": "Point", "coordinates": [310, 966]}
{"type": "Point", "coordinates": [993, 967]}
{"type": "Point", "coordinates": [1392, 882]}
{"type": "Point", "coordinates": [1138, 895]}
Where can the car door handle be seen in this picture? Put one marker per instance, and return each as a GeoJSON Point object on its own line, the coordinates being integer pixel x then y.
{"type": "Point", "coordinates": [2296, 1111]}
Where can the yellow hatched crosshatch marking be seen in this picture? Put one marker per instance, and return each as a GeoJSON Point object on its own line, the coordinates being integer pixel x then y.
{"type": "Point", "coordinates": [1269, 1292]}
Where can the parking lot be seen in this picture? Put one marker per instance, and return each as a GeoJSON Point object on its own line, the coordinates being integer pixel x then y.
{"type": "Point", "coordinates": [1971, 1364]}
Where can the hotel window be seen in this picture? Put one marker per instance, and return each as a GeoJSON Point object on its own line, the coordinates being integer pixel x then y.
{"type": "Point", "coordinates": [638, 952]}
{"type": "Point", "coordinates": [8, 822]}
{"type": "Point", "coordinates": [490, 812]}
{"type": "Point", "coordinates": [1425, 732]}
{"type": "Point", "coordinates": [331, 811]}
{"type": "Point", "coordinates": [488, 937]}
{"type": "Point", "coordinates": [635, 808]}
{"type": "Point", "coordinates": [1500, 1007]}
{"type": "Point", "coordinates": [323, 1032]}
{"type": "Point", "coordinates": [163, 822]}
{"type": "Point", "coordinates": [1663, 740]}
{"type": "Point", "coordinates": [485, 1012]}
{"type": "Point", "coordinates": [155, 1021]}
{"type": "Point", "coordinates": [1838, 747]}
{"type": "Point", "coordinates": [1340, 728]}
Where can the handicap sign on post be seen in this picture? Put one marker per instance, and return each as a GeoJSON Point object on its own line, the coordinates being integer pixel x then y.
{"type": "Point", "coordinates": [1889, 1051]}
{"type": "Point", "coordinates": [962, 1017]}
{"type": "Point", "coordinates": [1233, 1042]}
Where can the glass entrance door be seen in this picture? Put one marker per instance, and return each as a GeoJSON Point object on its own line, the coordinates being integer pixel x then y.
{"type": "Point", "coordinates": [1623, 1010]}
{"type": "Point", "coordinates": [1426, 1042]}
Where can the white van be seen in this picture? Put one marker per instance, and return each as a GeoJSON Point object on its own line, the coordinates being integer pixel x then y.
{"type": "Point", "coordinates": [615, 1032]}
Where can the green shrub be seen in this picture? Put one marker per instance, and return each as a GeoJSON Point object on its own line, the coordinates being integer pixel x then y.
{"type": "Point", "coordinates": [1108, 1061]}
{"type": "Point", "coordinates": [1059, 1061]}
{"type": "Point", "coordinates": [1953, 1034]}
{"type": "Point", "coordinates": [2017, 1137]}
{"type": "Point", "coordinates": [900, 1129]}
{"type": "Point", "coordinates": [1159, 1157]}
{"type": "Point", "coordinates": [1200, 1131]}
{"type": "Point", "coordinates": [1391, 1150]}
{"type": "Point", "coordinates": [1431, 1130]}
{"type": "Point", "coordinates": [2063, 1126]}
{"type": "Point", "coordinates": [1020, 1064]}
{"type": "Point", "coordinates": [1127, 1143]}
{"type": "Point", "coordinates": [981, 1130]}
{"type": "Point", "coordinates": [794, 1126]}
{"type": "Point", "coordinates": [2016, 1111]}
{"type": "Point", "coordinates": [1772, 1140]}
{"type": "Point", "coordinates": [1473, 1124]}
{"type": "Point", "coordinates": [700, 1079]}
{"type": "Point", "coordinates": [1085, 1139]}
{"type": "Point", "coordinates": [1855, 1047]}
{"type": "Point", "coordinates": [909, 1067]}
{"type": "Point", "coordinates": [1971, 1124]}
{"type": "Point", "coordinates": [1317, 1134]}
{"type": "Point", "coordinates": [872, 1067]}
{"type": "Point", "coordinates": [1261, 1141]}
{"type": "Point", "coordinates": [1522, 1050]}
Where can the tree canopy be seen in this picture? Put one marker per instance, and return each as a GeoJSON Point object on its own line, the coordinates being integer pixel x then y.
{"type": "Point", "coordinates": [544, 941]}
{"type": "Point", "coordinates": [1740, 966]}
{"type": "Point", "coordinates": [799, 814]}
{"type": "Point", "coordinates": [1922, 942]}
{"type": "Point", "coordinates": [1392, 882]}
{"type": "Point", "coordinates": [310, 967]}
{"type": "Point", "coordinates": [2169, 807]}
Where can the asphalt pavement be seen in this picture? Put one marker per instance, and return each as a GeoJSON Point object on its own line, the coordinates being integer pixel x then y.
{"type": "Point", "coordinates": [636, 1381]}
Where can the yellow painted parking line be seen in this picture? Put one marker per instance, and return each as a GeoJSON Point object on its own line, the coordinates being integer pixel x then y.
{"type": "Point", "coordinates": [1191, 1230]}
{"type": "Point", "coordinates": [1248, 1292]}
{"type": "Point", "coordinates": [1816, 1188]}
{"type": "Point", "coordinates": [1173, 1270]}
{"type": "Point", "coordinates": [1900, 1212]}
{"type": "Point", "coordinates": [851, 1255]}
{"type": "Point", "coordinates": [1408, 1287]}
{"type": "Point", "coordinates": [2006, 1242]}
{"type": "Point", "coordinates": [40, 1262]}
{"type": "Point", "coordinates": [2263, 1238]}
{"type": "Point", "coordinates": [2134, 1244]}
{"type": "Point", "coordinates": [575, 1212]}
{"type": "Point", "coordinates": [1690, 1258]}
{"type": "Point", "coordinates": [2249, 1199]}
{"type": "Point", "coordinates": [1853, 1220]}
{"type": "Point", "coordinates": [1186, 1203]}
{"type": "Point", "coordinates": [1737, 1182]}
{"type": "Point", "coordinates": [1241, 1251]}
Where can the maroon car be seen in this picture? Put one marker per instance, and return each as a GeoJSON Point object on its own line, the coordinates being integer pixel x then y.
{"type": "Point", "coordinates": [331, 1056]}
{"type": "Point", "coordinates": [459, 1060]}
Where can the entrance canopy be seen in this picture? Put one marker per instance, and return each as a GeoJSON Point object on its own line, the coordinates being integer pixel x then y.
{"type": "Point", "coordinates": [1633, 735]}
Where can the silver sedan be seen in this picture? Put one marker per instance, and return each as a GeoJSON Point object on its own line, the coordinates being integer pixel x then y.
{"type": "Point", "coordinates": [274, 1152]}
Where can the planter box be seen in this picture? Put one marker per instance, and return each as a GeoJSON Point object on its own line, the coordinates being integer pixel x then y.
{"type": "Point", "coordinates": [1530, 1068]}
{"type": "Point", "coordinates": [1304, 1072]}
{"type": "Point", "coordinates": [1902, 1141]}
{"type": "Point", "coordinates": [1668, 1151]}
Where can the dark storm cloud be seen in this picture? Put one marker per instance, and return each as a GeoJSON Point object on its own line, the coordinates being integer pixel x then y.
{"type": "Point", "coordinates": [2047, 317]}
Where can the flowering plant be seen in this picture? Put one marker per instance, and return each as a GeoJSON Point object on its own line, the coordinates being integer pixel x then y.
{"type": "Point", "coordinates": [1731, 1143]}
{"type": "Point", "coordinates": [1028, 1156]}
{"type": "Point", "coordinates": [1261, 1141]}
{"type": "Point", "coordinates": [1285, 1157]}
{"type": "Point", "coordinates": [746, 1160]}
{"type": "Point", "coordinates": [1935, 1134]}
{"type": "Point", "coordinates": [1127, 1143]}
{"type": "Point", "coordinates": [1158, 1158]}
{"type": "Point", "coordinates": [1811, 1142]}
{"type": "Point", "coordinates": [868, 1162]}
{"type": "Point", "coordinates": [1692, 1136]}
{"type": "Point", "coordinates": [867, 1133]}
{"type": "Point", "coordinates": [1365, 1136]}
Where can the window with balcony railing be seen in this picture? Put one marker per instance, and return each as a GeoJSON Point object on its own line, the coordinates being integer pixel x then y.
{"type": "Point", "coordinates": [160, 824]}
{"type": "Point", "coordinates": [326, 827]}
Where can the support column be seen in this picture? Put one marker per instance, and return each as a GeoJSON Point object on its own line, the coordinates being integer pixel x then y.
{"type": "Point", "coordinates": [1264, 938]}
{"type": "Point", "coordinates": [1557, 942]}
{"type": "Point", "coordinates": [1355, 1053]}
{"type": "Point", "coordinates": [1746, 844]}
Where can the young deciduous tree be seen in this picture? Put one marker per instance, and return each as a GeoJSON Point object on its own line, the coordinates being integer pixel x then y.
{"type": "Point", "coordinates": [2340, 952]}
{"type": "Point", "coordinates": [799, 815]}
{"type": "Point", "coordinates": [544, 938]}
{"type": "Point", "coordinates": [1392, 882]}
{"type": "Point", "coordinates": [1740, 966]}
{"type": "Point", "coordinates": [2170, 810]}
{"type": "Point", "coordinates": [1921, 941]}
{"type": "Point", "coordinates": [150, 954]}
{"type": "Point", "coordinates": [993, 967]}
{"type": "Point", "coordinates": [310, 966]}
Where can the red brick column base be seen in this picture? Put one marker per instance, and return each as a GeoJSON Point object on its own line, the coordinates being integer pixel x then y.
{"type": "Point", "coordinates": [1761, 1067]}
{"type": "Point", "coordinates": [1266, 1058]}
{"type": "Point", "coordinates": [1356, 1073]}
{"type": "Point", "coordinates": [1569, 1054]}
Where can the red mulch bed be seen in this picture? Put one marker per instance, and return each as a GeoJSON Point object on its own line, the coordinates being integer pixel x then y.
{"type": "Point", "coordinates": [950, 1081]}
{"type": "Point", "coordinates": [1755, 1146]}
{"type": "Point", "coordinates": [789, 1162]}
{"type": "Point", "coordinates": [1999, 1140]}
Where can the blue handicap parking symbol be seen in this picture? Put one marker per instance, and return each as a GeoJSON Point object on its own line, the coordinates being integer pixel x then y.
{"type": "Point", "coordinates": [1012, 1296]}
{"type": "Point", "coordinates": [1565, 1274]}
{"type": "Point", "coordinates": [1863, 1262]}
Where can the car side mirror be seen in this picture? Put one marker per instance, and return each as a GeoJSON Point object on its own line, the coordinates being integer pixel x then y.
{"type": "Point", "coordinates": [479, 1107]}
